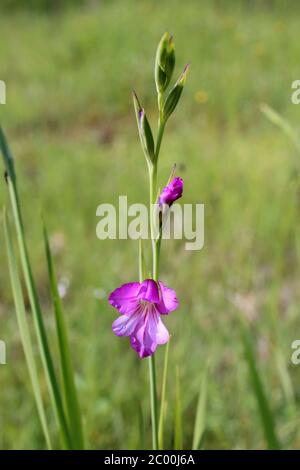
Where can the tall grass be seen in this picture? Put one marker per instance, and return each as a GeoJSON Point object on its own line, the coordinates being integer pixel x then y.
{"type": "Point", "coordinates": [70, 431]}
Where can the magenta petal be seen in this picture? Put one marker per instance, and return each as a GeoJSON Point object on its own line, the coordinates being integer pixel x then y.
{"type": "Point", "coordinates": [149, 334]}
{"type": "Point", "coordinates": [168, 301]}
{"type": "Point", "coordinates": [124, 298]}
{"type": "Point", "coordinates": [140, 347]}
{"type": "Point", "coordinates": [171, 192]}
{"type": "Point", "coordinates": [125, 324]}
{"type": "Point", "coordinates": [162, 334]}
{"type": "Point", "coordinates": [157, 330]}
{"type": "Point", "coordinates": [142, 342]}
{"type": "Point", "coordinates": [149, 291]}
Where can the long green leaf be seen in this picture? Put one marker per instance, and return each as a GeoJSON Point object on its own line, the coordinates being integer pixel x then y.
{"type": "Point", "coordinates": [178, 433]}
{"type": "Point", "coordinates": [32, 293]}
{"type": "Point", "coordinates": [262, 402]}
{"type": "Point", "coordinates": [141, 427]}
{"type": "Point", "coordinates": [163, 402]}
{"type": "Point", "coordinates": [200, 421]}
{"type": "Point", "coordinates": [24, 329]}
{"type": "Point", "coordinates": [286, 382]}
{"type": "Point", "coordinates": [70, 394]}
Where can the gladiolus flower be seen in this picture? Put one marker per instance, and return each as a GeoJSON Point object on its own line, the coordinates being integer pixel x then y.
{"type": "Point", "coordinates": [171, 192]}
{"type": "Point", "coordinates": [141, 306]}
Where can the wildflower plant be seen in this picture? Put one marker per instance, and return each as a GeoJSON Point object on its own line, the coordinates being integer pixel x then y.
{"type": "Point", "coordinates": [143, 304]}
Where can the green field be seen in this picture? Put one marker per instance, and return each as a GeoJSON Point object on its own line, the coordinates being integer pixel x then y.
{"type": "Point", "coordinates": [71, 126]}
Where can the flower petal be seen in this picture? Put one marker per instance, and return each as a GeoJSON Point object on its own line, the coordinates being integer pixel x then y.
{"type": "Point", "coordinates": [162, 334]}
{"type": "Point", "coordinates": [156, 329]}
{"type": "Point", "coordinates": [168, 301]}
{"type": "Point", "coordinates": [150, 332]}
{"type": "Point", "coordinates": [171, 192]}
{"type": "Point", "coordinates": [149, 291]}
{"type": "Point", "coordinates": [124, 298]}
{"type": "Point", "coordinates": [141, 341]}
{"type": "Point", "coordinates": [125, 325]}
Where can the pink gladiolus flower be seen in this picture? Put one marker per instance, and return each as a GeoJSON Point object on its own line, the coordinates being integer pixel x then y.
{"type": "Point", "coordinates": [171, 192]}
{"type": "Point", "coordinates": [141, 306]}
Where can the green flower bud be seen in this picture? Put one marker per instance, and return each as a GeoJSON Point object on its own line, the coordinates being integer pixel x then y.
{"type": "Point", "coordinates": [144, 129]}
{"type": "Point", "coordinates": [174, 95]}
{"type": "Point", "coordinates": [164, 62]}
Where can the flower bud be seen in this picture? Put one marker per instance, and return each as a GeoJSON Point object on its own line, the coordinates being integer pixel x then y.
{"type": "Point", "coordinates": [171, 192]}
{"type": "Point", "coordinates": [164, 62]}
{"type": "Point", "coordinates": [174, 95]}
{"type": "Point", "coordinates": [144, 129]}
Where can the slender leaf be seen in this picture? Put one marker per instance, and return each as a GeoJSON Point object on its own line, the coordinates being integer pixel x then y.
{"type": "Point", "coordinates": [141, 426]}
{"type": "Point", "coordinates": [178, 439]}
{"type": "Point", "coordinates": [33, 297]}
{"type": "Point", "coordinates": [282, 124]}
{"type": "Point", "coordinates": [24, 329]}
{"type": "Point", "coordinates": [200, 421]}
{"type": "Point", "coordinates": [7, 158]}
{"type": "Point", "coordinates": [70, 394]}
{"type": "Point", "coordinates": [262, 401]}
{"type": "Point", "coordinates": [286, 382]}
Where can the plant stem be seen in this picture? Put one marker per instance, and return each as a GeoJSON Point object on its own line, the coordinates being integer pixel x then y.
{"type": "Point", "coordinates": [161, 128]}
{"type": "Point", "coordinates": [152, 201]}
{"type": "Point", "coordinates": [152, 372]}
{"type": "Point", "coordinates": [155, 243]}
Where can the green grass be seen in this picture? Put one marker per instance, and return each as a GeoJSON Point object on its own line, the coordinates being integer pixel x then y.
{"type": "Point", "coordinates": [70, 124]}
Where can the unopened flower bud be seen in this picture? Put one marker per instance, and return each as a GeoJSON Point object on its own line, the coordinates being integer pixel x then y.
{"type": "Point", "coordinates": [171, 192]}
{"type": "Point", "coordinates": [164, 62]}
{"type": "Point", "coordinates": [144, 129]}
{"type": "Point", "coordinates": [174, 95]}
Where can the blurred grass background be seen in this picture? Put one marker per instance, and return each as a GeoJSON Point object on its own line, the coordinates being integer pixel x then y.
{"type": "Point", "coordinates": [69, 68]}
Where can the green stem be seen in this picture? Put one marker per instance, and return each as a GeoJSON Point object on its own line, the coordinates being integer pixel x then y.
{"type": "Point", "coordinates": [152, 371]}
{"type": "Point", "coordinates": [152, 201]}
{"type": "Point", "coordinates": [161, 129]}
{"type": "Point", "coordinates": [155, 243]}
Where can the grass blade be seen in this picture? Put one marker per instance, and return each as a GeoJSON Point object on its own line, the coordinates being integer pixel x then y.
{"type": "Point", "coordinates": [282, 124]}
{"type": "Point", "coordinates": [286, 382]}
{"type": "Point", "coordinates": [163, 403]}
{"type": "Point", "coordinates": [200, 421]}
{"type": "Point", "coordinates": [24, 329]}
{"type": "Point", "coordinates": [7, 158]}
{"type": "Point", "coordinates": [178, 439]}
{"type": "Point", "coordinates": [32, 294]}
{"type": "Point", "coordinates": [141, 428]}
{"type": "Point", "coordinates": [262, 402]}
{"type": "Point", "coordinates": [70, 394]}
